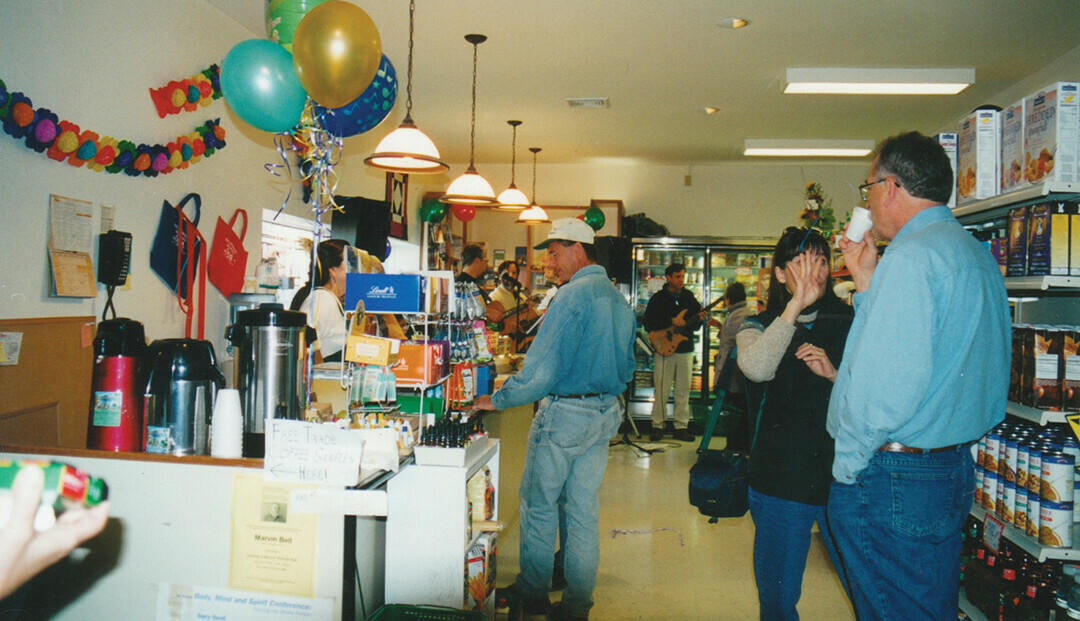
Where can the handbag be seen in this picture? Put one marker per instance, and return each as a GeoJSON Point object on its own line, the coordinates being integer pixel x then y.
{"type": "Point", "coordinates": [227, 262]}
{"type": "Point", "coordinates": [167, 256]}
{"type": "Point", "coordinates": [720, 479]}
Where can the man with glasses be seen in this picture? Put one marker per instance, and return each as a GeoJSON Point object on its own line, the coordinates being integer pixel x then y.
{"type": "Point", "coordinates": [924, 375]}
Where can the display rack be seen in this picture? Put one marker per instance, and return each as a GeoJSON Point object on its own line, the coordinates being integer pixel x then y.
{"type": "Point", "coordinates": [1030, 544]}
{"type": "Point", "coordinates": [998, 206]}
{"type": "Point", "coordinates": [973, 613]}
{"type": "Point", "coordinates": [1035, 415]}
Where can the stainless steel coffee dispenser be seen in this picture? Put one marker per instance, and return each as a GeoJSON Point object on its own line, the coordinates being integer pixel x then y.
{"type": "Point", "coordinates": [269, 363]}
{"type": "Point", "coordinates": [182, 379]}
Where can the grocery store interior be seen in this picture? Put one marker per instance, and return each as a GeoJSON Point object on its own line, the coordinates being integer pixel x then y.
{"type": "Point", "coordinates": [651, 122]}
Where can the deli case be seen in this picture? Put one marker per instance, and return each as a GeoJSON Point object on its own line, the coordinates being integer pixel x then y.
{"type": "Point", "coordinates": [712, 263]}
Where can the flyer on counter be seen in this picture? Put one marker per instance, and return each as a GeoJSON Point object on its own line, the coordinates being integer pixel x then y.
{"type": "Point", "coordinates": [272, 549]}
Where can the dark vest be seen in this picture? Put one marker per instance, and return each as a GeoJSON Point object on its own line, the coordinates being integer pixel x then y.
{"type": "Point", "coordinates": [793, 454]}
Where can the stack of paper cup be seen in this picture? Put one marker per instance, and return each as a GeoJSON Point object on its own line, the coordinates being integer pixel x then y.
{"type": "Point", "coordinates": [227, 425]}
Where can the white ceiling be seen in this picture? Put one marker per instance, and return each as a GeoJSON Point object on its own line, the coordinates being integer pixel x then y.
{"type": "Point", "coordinates": [661, 63]}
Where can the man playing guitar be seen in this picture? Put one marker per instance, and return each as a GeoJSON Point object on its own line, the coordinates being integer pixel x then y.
{"type": "Point", "coordinates": [672, 316]}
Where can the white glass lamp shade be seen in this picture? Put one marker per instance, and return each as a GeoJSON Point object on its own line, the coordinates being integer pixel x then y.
{"type": "Point", "coordinates": [513, 199]}
{"type": "Point", "coordinates": [533, 215]}
{"type": "Point", "coordinates": [470, 189]}
{"type": "Point", "coordinates": [407, 150]}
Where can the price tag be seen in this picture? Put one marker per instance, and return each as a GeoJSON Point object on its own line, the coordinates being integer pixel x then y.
{"type": "Point", "coordinates": [992, 531]}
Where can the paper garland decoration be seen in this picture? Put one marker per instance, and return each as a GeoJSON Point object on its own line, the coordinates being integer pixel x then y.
{"type": "Point", "coordinates": [60, 140]}
{"type": "Point", "coordinates": [187, 95]}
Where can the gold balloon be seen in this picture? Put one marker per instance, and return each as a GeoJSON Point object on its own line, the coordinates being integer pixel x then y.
{"type": "Point", "coordinates": [336, 52]}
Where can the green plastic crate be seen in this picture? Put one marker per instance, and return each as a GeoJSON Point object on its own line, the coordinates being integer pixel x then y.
{"type": "Point", "coordinates": [406, 612]}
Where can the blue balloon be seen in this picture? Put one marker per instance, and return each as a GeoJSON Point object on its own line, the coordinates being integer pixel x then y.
{"type": "Point", "coordinates": [260, 85]}
{"type": "Point", "coordinates": [366, 111]}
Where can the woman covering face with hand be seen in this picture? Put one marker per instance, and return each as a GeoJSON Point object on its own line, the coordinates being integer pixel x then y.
{"type": "Point", "coordinates": [789, 354]}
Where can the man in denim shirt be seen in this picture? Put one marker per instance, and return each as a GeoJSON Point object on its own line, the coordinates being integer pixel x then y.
{"type": "Point", "coordinates": [925, 374]}
{"type": "Point", "coordinates": [579, 364]}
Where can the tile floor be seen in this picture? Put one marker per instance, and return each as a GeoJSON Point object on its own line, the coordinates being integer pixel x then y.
{"type": "Point", "coordinates": [661, 560]}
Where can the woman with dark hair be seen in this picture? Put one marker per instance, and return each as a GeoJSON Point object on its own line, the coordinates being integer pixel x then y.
{"type": "Point", "coordinates": [789, 354]}
{"type": "Point", "coordinates": [321, 298]}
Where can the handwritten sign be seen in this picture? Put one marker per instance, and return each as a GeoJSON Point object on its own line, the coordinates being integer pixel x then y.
{"type": "Point", "coordinates": [312, 453]}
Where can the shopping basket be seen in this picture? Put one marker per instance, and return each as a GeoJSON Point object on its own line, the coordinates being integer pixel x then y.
{"type": "Point", "coordinates": [407, 612]}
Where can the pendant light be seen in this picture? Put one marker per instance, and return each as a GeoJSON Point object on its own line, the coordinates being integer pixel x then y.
{"type": "Point", "coordinates": [406, 149]}
{"type": "Point", "coordinates": [534, 214]}
{"type": "Point", "coordinates": [513, 198]}
{"type": "Point", "coordinates": [470, 188]}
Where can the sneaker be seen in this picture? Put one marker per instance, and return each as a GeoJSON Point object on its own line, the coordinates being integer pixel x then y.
{"type": "Point", "coordinates": [558, 579]}
{"type": "Point", "coordinates": [656, 435]}
{"type": "Point", "coordinates": [683, 435]}
{"type": "Point", "coordinates": [559, 613]}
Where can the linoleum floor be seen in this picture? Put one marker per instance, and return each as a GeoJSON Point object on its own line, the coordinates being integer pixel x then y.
{"type": "Point", "coordinates": [661, 560]}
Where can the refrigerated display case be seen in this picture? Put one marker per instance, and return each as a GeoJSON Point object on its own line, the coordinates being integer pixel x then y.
{"type": "Point", "coordinates": [712, 263]}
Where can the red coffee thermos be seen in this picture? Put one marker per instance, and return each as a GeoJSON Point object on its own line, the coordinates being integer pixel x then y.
{"type": "Point", "coordinates": [116, 399]}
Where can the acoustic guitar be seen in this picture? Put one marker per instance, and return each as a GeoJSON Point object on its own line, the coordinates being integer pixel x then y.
{"type": "Point", "coordinates": [516, 323]}
{"type": "Point", "coordinates": [666, 341]}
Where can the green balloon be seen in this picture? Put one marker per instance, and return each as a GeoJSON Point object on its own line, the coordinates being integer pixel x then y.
{"type": "Point", "coordinates": [282, 17]}
{"type": "Point", "coordinates": [432, 210]}
{"type": "Point", "coordinates": [594, 217]}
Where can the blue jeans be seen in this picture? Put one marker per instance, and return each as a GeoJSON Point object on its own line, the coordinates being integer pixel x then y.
{"type": "Point", "coordinates": [566, 456]}
{"type": "Point", "coordinates": [897, 529]}
{"type": "Point", "coordinates": [781, 544]}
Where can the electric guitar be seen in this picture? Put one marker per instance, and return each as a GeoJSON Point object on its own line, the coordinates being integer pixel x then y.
{"type": "Point", "coordinates": [666, 341]}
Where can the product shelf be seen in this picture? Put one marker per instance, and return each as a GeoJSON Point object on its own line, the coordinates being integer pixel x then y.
{"type": "Point", "coordinates": [1034, 415]}
{"type": "Point", "coordinates": [1041, 283]}
{"type": "Point", "coordinates": [999, 205]}
{"type": "Point", "coordinates": [1028, 544]}
{"type": "Point", "coordinates": [969, 609]}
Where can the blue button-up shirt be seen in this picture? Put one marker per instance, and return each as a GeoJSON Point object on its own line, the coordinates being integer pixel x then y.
{"type": "Point", "coordinates": [927, 360]}
{"type": "Point", "coordinates": [584, 344]}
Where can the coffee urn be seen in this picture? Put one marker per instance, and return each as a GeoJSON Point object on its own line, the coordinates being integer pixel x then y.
{"type": "Point", "coordinates": [181, 381]}
{"type": "Point", "coordinates": [270, 354]}
{"type": "Point", "coordinates": [116, 405]}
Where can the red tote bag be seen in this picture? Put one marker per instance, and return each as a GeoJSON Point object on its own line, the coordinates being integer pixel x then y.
{"type": "Point", "coordinates": [228, 259]}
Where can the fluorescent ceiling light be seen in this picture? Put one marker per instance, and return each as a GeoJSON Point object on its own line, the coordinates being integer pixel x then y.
{"type": "Point", "coordinates": [807, 148]}
{"type": "Point", "coordinates": [831, 80]}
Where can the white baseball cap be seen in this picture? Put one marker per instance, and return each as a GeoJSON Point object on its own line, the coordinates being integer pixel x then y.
{"type": "Point", "coordinates": [568, 229]}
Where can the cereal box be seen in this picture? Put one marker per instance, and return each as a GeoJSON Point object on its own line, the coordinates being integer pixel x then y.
{"type": "Point", "coordinates": [1071, 355]}
{"type": "Point", "coordinates": [1012, 147]}
{"type": "Point", "coordinates": [978, 149]}
{"type": "Point", "coordinates": [1017, 265]}
{"type": "Point", "coordinates": [1038, 254]}
{"type": "Point", "coordinates": [948, 142]}
{"type": "Point", "coordinates": [1060, 221]}
{"type": "Point", "coordinates": [1051, 120]}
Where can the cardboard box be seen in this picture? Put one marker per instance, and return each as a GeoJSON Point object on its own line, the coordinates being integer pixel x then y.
{"type": "Point", "coordinates": [948, 142]}
{"type": "Point", "coordinates": [1038, 254]}
{"type": "Point", "coordinates": [1060, 224]}
{"type": "Point", "coordinates": [1017, 264]}
{"type": "Point", "coordinates": [376, 350]}
{"type": "Point", "coordinates": [1071, 355]}
{"type": "Point", "coordinates": [1074, 240]}
{"type": "Point", "coordinates": [386, 293]}
{"type": "Point", "coordinates": [1012, 147]}
{"type": "Point", "coordinates": [421, 362]}
{"type": "Point", "coordinates": [1051, 121]}
{"type": "Point", "coordinates": [978, 150]}
{"type": "Point", "coordinates": [1048, 343]}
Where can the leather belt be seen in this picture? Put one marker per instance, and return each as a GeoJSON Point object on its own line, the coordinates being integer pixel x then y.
{"type": "Point", "coordinates": [582, 396]}
{"type": "Point", "coordinates": [896, 447]}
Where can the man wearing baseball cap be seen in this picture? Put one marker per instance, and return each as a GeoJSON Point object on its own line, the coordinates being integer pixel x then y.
{"type": "Point", "coordinates": [579, 364]}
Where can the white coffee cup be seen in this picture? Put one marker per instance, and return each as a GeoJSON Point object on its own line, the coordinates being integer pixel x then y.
{"type": "Point", "coordinates": [859, 225]}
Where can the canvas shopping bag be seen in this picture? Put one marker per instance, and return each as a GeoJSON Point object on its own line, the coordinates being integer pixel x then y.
{"type": "Point", "coordinates": [228, 259]}
{"type": "Point", "coordinates": [166, 258]}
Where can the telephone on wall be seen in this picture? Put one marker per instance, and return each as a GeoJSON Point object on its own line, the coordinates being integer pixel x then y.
{"type": "Point", "coordinates": [114, 258]}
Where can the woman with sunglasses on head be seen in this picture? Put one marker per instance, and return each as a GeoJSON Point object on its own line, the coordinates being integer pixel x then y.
{"type": "Point", "coordinates": [789, 354]}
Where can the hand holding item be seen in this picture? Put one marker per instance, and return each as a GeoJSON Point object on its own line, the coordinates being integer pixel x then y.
{"type": "Point", "coordinates": [861, 259]}
{"type": "Point", "coordinates": [817, 360]}
{"type": "Point", "coordinates": [24, 552]}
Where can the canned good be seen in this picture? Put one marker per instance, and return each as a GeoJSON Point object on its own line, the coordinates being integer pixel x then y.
{"type": "Point", "coordinates": [980, 452]}
{"type": "Point", "coordinates": [1058, 471]}
{"type": "Point", "coordinates": [990, 458]}
{"type": "Point", "coordinates": [1008, 502]}
{"type": "Point", "coordinates": [1023, 453]}
{"type": "Point", "coordinates": [1020, 515]}
{"type": "Point", "coordinates": [1034, 482]}
{"type": "Point", "coordinates": [999, 497]}
{"type": "Point", "coordinates": [1055, 524]}
{"type": "Point", "coordinates": [990, 479]}
{"type": "Point", "coordinates": [1034, 511]}
{"type": "Point", "coordinates": [1011, 446]}
{"type": "Point", "coordinates": [979, 473]}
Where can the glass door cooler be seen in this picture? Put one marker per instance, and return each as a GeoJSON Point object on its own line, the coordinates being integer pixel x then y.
{"type": "Point", "coordinates": [712, 263]}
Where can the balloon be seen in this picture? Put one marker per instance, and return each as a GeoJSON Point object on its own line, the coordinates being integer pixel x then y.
{"type": "Point", "coordinates": [464, 213]}
{"type": "Point", "coordinates": [282, 17]}
{"type": "Point", "coordinates": [367, 110]}
{"type": "Point", "coordinates": [432, 211]}
{"type": "Point", "coordinates": [580, 216]}
{"type": "Point", "coordinates": [336, 52]}
{"type": "Point", "coordinates": [260, 85]}
{"type": "Point", "coordinates": [388, 248]}
{"type": "Point", "coordinates": [594, 217]}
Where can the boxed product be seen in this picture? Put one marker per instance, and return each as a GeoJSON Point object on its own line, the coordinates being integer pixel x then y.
{"type": "Point", "coordinates": [1012, 147]}
{"type": "Point", "coordinates": [1061, 216]}
{"type": "Point", "coordinates": [1071, 356]}
{"type": "Point", "coordinates": [1016, 361]}
{"type": "Point", "coordinates": [1027, 365]}
{"type": "Point", "coordinates": [1038, 254]}
{"type": "Point", "coordinates": [1074, 238]}
{"type": "Point", "coordinates": [1017, 263]}
{"type": "Point", "coordinates": [1048, 345]}
{"type": "Point", "coordinates": [978, 149]}
{"type": "Point", "coordinates": [999, 247]}
{"type": "Point", "coordinates": [480, 574]}
{"type": "Point", "coordinates": [1051, 120]}
{"type": "Point", "coordinates": [948, 142]}
{"type": "Point", "coordinates": [421, 362]}
{"type": "Point", "coordinates": [376, 350]}
{"type": "Point", "coordinates": [386, 293]}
